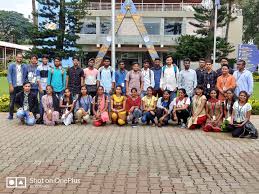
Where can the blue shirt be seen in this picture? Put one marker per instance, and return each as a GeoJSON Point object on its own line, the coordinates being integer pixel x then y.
{"type": "Point", "coordinates": [85, 103]}
{"type": "Point", "coordinates": [157, 77]}
{"type": "Point", "coordinates": [57, 78]}
{"type": "Point", "coordinates": [12, 74]}
{"type": "Point", "coordinates": [42, 75]}
{"type": "Point", "coordinates": [244, 81]}
{"type": "Point", "coordinates": [120, 77]}
{"type": "Point", "coordinates": [106, 77]}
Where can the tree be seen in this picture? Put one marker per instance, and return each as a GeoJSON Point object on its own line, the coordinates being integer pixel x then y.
{"type": "Point", "coordinates": [14, 27]}
{"type": "Point", "coordinates": [60, 21]}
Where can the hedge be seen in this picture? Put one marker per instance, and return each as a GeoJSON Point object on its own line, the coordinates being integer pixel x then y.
{"type": "Point", "coordinates": [256, 77]}
{"type": "Point", "coordinates": [3, 73]}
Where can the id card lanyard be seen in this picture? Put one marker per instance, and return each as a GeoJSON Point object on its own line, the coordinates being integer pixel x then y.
{"type": "Point", "coordinates": [239, 110]}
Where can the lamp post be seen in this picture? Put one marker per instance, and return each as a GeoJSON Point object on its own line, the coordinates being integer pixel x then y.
{"type": "Point", "coordinates": [113, 35]}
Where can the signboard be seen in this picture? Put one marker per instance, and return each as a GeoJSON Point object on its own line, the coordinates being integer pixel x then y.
{"type": "Point", "coordinates": [250, 54]}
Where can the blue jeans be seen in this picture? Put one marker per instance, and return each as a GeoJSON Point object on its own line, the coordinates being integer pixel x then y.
{"type": "Point", "coordinates": [147, 117]}
{"type": "Point", "coordinates": [173, 95]}
{"type": "Point", "coordinates": [59, 94]}
{"type": "Point", "coordinates": [143, 94]}
{"type": "Point", "coordinates": [41, 106]}
{"type": "Point", "coordinates": [25, 115]}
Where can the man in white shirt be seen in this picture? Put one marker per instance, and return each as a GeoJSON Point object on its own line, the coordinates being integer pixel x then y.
{"type": "Point", "coordinates": [148, 75]}
{"type": "Point", "coordinates": [170, 77]}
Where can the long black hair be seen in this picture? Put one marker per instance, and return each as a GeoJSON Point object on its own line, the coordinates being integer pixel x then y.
{"type": "Point", "coordinates": [55, 100]}
{"type": "Point", "coordinates": [183, 91]}
{"type": "Point", "coordinates": [232, 102]}
{"type": "Point", "coordinates": [70, 97]}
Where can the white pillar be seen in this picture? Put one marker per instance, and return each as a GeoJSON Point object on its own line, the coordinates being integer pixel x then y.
{"type": "Point", "coordinates": [5, 64]}
{"type": "Point", "coordinates": [215, 34]}
{"type": "Point", "coordinates": [113, 35]}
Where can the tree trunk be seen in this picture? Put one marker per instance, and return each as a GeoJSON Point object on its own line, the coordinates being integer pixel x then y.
{"type": "Point", "coordinates": [62, 26]}
{"type": "Point", "coordinates": [34, 16]}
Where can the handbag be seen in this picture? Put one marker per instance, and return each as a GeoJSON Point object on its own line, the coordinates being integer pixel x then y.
{"type": "Point", "coordinates": [252, 131]}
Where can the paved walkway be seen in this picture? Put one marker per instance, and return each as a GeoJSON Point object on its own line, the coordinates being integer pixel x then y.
{"type": "Point", "coordinates": [125, 160]}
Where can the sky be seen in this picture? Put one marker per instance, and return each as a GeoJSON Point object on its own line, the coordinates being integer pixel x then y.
{"type": "Point", "coordinates": [21, 6]}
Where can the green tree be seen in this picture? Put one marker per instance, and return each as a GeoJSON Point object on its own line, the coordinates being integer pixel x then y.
{"type": "Point", "coordinates": [59, 23]}
{"type": "Point", "coordinates": [14, 27]}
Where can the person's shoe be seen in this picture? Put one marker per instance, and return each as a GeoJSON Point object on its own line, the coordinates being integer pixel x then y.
{"type": "Point", "coordinates": [10, 117]}
{"type": "Point", "coordinates": [183, 126]}
{"type": "Point", "coordinates": [39, 121]}
{"type": "Point", "coordinates": [159, 125]}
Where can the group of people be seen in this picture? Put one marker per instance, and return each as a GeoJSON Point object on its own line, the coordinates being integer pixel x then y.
{"type": "Point", "coordinates": [194, 98]}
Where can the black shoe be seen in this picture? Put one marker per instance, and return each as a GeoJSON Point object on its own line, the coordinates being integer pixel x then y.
{"type": "Point", "coordinates": [39, 121]}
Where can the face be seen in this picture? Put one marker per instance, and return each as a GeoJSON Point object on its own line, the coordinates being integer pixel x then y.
{"type": "Point", "coordinates": [34, 60]}
{"type": "Point", "coordinates": [208, 66]}
{"type": "Point", "coordinates": [57, 62]}
{"type": "Point", "coordinates": [91, 63]}
{"type": "Point", "coordinates": [225, 70]}
{"type": "Point", "coordinates": [224, 62]}
{"type": "Point", "coordinates": [27, 87]}
{"type": "Point", "coordinates": [19, 58]}
{"type": "Point", "coordinates": [181, 94]}
{"type": "Point", "coordinates": [242, 97]}
{"type": "Point", "coordinates": [166, 95]}
{"type": "Point", "coordinates": [187, 64]}
{"type": "Point", "coordinates": [135, 67]}
{"type": "Point", "coordinates": [106, 63]}
{"type": "Point", "coordinates": [75, 62]}
{"type": "Point", "coordinates": [213, 94]}
{"type": "Point", "coordinates": [240, 66]}
{"type": "Point", "coordinates": [229, 95]}
{"type": "Point", "coordinates": [157, 63]}
{"type": "Point", "coordinates": [149, 92]}
{"type": "Point", "coordinates": [122, 66]}
{"type": "Point", "coordinates": [83, 90]}
{"type": "Point", "coordinates": [67, 93]}
{"type": "Point", "coordinates": [49, 90]}
{"type": "Point", "coordinates": [100, 91]}
{"type": "Point", "coordinates": [45, 61]}
{"type": "Point", "coordinates": [134, 93]}
{"type": "Point", "coordinates": [169, 60]}
{"type": "Point", "coordinates": [118, 90]}
{"type": "Point", "coordinates": [146, 65]}
{"type": "Point", "coordinates": [198, 91]}
{"type": "Point", "coordinates": [202, 63]}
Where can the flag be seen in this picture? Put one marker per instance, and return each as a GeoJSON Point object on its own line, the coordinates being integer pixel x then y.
{"type": "Point", "coordinates": [217, 3]}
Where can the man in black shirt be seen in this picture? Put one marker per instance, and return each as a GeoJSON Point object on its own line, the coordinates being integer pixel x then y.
{"type": "Point", "coordinates": [200, 71]}
{"type": "Point", "coordinates": [209, 78]}
{"type": "Point", "coordinates": [224, 61]}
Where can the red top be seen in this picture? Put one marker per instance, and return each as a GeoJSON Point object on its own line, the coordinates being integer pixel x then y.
{"type": "Point", "coordinates": [130, 102]}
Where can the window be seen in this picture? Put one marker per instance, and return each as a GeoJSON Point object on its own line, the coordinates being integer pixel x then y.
{"type": "Point", "coordinates": [89, 26]}
{"type": "Point", "coordinates": [105, 25]}
{"type": "Point", "coordinates": [173, 27]}
{"type": "Point", "coordinates": [152, 25]}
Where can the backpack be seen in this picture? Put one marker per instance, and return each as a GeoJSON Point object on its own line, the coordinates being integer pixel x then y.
{"type": "Point", "coordinates": [52, 72]}
{"type": "Point", "coordinates": [100, 72]}
{"type": "Point", "coordinates": [175, 70]}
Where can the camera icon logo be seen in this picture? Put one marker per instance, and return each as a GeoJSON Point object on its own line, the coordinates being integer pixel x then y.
{"type": "Point", "coordinates": [16, 182]}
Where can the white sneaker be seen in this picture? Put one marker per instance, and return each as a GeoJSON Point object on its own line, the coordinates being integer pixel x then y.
{"type": "Point", "coordinates": [183, 126]}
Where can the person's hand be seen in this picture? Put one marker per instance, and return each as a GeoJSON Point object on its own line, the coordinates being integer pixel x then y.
{"type": "Point", "coordinates": [166, 111]}
{"type": "Point", "coordinates": [11, 89]}
{"type": "Point", "coordinates": [40, 90]}
{"type": "Point", "coordinates": [131, 109]}
{"type": "Point", "coordinates": [127, 93]}
{"type": "Point", "coordinates": [30, 114]}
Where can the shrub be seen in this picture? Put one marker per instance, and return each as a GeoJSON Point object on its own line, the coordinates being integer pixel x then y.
{"type": "Point", "coordinates": [3, 73]}
{"type": "Point", "coordinates": [256, 77]}
{"type": "Point", "coordinates": [255, 106]}
{"type": "Point", "coordinates": [4, 103]}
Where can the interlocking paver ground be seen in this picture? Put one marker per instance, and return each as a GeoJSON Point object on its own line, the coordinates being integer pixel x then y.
{"type": "Point", "coordinates": [115, 159]}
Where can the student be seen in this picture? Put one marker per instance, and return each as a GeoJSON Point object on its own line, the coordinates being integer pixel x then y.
{"type": "Point", "coordinates": [118, 107]}
{"type": "Point", "coordinates": [134, 79]}
{"type": "Point", "coordinates": [67, 106]}
{"type": "Point", "coordinates": [133, 107]}
{"type": "Point", "coordinates": [90, 74]}
{"type": "Point", "coordinates": [100, 108]}
{"type": "Point", "coordinates": [240, 120]}
{"type": "Point", "coordinates": [181, 108]}
{"type": "Point", "coordinates": [148, 76]}
{"type": "Point", "coordinates": [27, 104]}
{"type": "Point", "coordinates": [57, 78]}
{"type": "Point", "coordinates": [199, 117]}
{"type": "Point", "coordinates": [164, 108]}
{"type": "Point", "coordinates": [17, 75]}
{"type": "Point", "coordinates": [214, 112]}
{"type": "Point", "coordinates": [32, 74]}
{"type": "Point", "coordinates": [209, 78]}
{"type": "Point", "coordinates": [224, 61]}
{"type": "Point", "coordinates": [170, 77]}
{"type": "Point", "coordinates": [83, 106]}
{"type": "Point", "coordinates": [200, 71]}
{"type": "Point", "coordinates": [120, 76]}
{"type": "Point", "coordinates": [50, 104]}
{"type": "Point", "coordinates": [149, 103]}
{"type": "Point", "coordinates": [157, 69]}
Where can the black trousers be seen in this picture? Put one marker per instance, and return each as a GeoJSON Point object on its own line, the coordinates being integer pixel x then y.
{"type": "Point", "coordinates": [183, 114]}
{"type": "Point", "coordinates": [237, 131]}
{"type": "Point", "coordinates": [12, 98]}
{"type": "Point", "coordinates": [160, 113]}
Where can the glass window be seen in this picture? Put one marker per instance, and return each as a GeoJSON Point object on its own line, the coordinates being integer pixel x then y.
{"type": "Point", "coordinates": [105, 25]}
{"type": "Point", "coordinates": [173, 27]}
{"type": "Point", "coordinates": [152, 25]}
{"type": "Point", "coordinates": [89, 26]}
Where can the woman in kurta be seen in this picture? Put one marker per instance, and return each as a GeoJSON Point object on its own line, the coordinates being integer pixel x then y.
{"type": "Point", "coordinates": [199, 117]}
{"type": "Point", "coordinates": [118, 107]}
{"type": "Point", "coordinates": [133, 107]}
{"type": "Point", "coordinates": [214, 113]}
{"type": "Point", "coordinates": [67, 106]}
{"type": "Point", "coordinates": [50, 105]}
{"type": "Point", "coordinates": [100, 108]}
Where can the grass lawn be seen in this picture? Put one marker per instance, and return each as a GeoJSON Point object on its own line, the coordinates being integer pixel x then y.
{"type": "Point", "coordinates": [256, 91]}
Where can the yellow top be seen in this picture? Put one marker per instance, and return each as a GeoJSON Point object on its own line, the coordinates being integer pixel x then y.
{"type": "Point", "coordinates": [118, 101]}
{"type": "Point", "coordinates": [149, 102]}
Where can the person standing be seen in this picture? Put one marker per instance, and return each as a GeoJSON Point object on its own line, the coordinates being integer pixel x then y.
{"type": "Point", "coordinates": [157, 69]}
{"type": "Point", "coordinates": [42, 80]}
{"type": "Point", "coordinates": [106, 77]}
{"type": "Point", "coordinates": [170, 77]}
{"type": "Point", "coordinates": [200, 71]}
{"type": "Point", "coordinates": [148, 76]}
{"type": "Point", "coordinates": [244, 79]}
{"type": "Point", "coordinates": [57, 78]}
{"type": "Point", "coordinates": [210, 78]}
{"type": "Point", "coordinates": [134, 79]}
{"type": "Point", "coordinates": [225, 82]}
{"type": "Point", "coordinates": [32, 74]}
{"type": "Point", "coordinates": [188, 78]}
{"type": "Point", "coordinates": [75, 77]}
{"type": "Point", "coordinates": [17, 75]}
{"type": "Point", "coordinates": [120, 76]}
{"type": "Point", "coordinates": [224, 61]}
{"type": "Point", "coordinates": [90, 74]}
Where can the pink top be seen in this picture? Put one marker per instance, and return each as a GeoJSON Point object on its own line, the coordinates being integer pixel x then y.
{"type": "Point", "coordinates": [90, 76]}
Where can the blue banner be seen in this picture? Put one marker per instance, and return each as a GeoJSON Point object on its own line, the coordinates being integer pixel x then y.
{"type": "Point", "coordinates": [250, 54]}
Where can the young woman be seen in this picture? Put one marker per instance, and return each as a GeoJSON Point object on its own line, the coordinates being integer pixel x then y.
{"type": "Point", "coordinates": [67, 106]}
{"type": "Point", "coordinates": [118, 107]}
{"type": "Point", "coordinates": [83, 106]}
{"type": "Point", "coordinates": [133, 107]}
{"type": "Point", "coordinates": [228, 109]}
{"type": "Point", "coordinates": [199, 117]}
{"type": "Point", "coordinates": [180, 108]}
{"type": "Point", "coordinates": [50, 103]}
{"type": "Point", "coordinates": [100, 108]}
{"type": "Point", "coordinates": [149, 106]}
{"type": "Point", "coordinates": [214, 112]}
{"type": "Point", "coordinates": [164, 108]}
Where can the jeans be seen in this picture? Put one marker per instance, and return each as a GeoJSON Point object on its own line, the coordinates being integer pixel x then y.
{"type": "Point", "coordinates": [173, 95]}
{"type": "Point", "coordinates": [143, 94]}
{"type": "Point", "coordinates": [147, 117]}
{"type": "Point", "coordinates": [29, 120]}
{"type": "Point", "coordinates": [12, 99]}
{"type": "Point", "coordinates": [41, 106]}
{"type": "Point", "coordinates": [59, 94]}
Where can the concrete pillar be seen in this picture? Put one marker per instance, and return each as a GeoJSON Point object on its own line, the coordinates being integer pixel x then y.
{"type": "Point", "coordinates": [5, 63]}
{"type": "Point", "coordinates": [98, 26]}
{"type": "Point", "coordinates": [184, 26]}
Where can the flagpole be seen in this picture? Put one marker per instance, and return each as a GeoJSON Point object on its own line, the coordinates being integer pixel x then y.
{"type": "Point", "coordinates": [113, 35]}
{"type": "Point", "coordinates": [215, 33]}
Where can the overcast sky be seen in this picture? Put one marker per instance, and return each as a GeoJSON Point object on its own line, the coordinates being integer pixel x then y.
{"type": "Point", "coordinates": [21, 6]}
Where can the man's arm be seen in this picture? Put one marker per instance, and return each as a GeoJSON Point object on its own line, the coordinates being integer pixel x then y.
{"type": "Point", "coordinates": [250, 83]}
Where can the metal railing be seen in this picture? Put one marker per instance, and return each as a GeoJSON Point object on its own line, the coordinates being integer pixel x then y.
{"type": "Point", "coordinates": [146, 6]}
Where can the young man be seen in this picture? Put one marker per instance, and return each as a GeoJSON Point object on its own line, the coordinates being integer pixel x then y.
{"type": "Point", "coordinates": [157, 69]}
{"type": "Point", "coordinates": [106, 77]}
{"type": "Point", "coordinates": [224, 61]}
{"type": "Point", "coordinates": [57, 77]}
{"type": "Point", "coordinates": [32, 74]}
{"type": "Point", "coordinates": [27, 104]}
{"type": "Point", "coordinates": [91, 77]}
{"type": "Point", "coordinates": [200, 71]}
{"type": "Point", "coordinates": [17, 75]}
{"type": "Point", "coordinates": [170, 77]}
{"type": "Point", "coordinates": [188, 78]}
{"type": "Point", "coordinates": [75, 77]}
{"type": "Point", "coordinates": [244, 79]}
{"type": "Point", "coordinates": [134, 79]}
{"type": "Point", "coordinates": [120, 76]}
{"type": "Point", "coordinates": [148, 75]}
{"type": "Point", "coordinates": [224, 82]}
{"type": "Point", "coordinates": [42, 80]}
{"type": "Point", "coordinates": [209, 79]}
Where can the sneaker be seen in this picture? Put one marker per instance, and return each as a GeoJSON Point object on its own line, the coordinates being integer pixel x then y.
{"type": "Point", "coordinates": [10, 117]}
{"type": "Point", "coordinates": [183, 126]}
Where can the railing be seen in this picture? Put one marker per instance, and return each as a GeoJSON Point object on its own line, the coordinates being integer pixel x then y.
{"type": "Point", "coordinates": [146, 6]}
